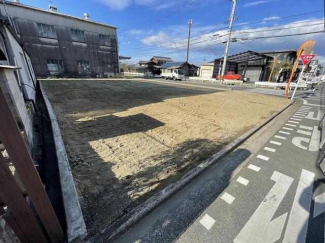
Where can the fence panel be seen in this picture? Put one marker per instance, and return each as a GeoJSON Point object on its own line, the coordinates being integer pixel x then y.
{"type": "Point", "coordinates": [14, 144]}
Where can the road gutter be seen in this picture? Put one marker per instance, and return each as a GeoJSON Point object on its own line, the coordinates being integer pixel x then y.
{"type": "Point", "coordinates": [134, 216]}
{"type": "Point", "coordinates": [76, 227]}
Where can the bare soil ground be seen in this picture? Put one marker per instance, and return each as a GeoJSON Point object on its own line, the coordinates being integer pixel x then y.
{"type": "Point", "coordinates": [126, 140]}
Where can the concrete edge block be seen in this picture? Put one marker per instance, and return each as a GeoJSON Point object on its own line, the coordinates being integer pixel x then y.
{"type": "Point", "coordinates": [111, 232]}
{"type": "Point", "coordinates": [76, 227]}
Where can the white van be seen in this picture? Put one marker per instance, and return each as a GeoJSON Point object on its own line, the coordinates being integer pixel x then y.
{"type": "Point", "coordinates": [174, 74]}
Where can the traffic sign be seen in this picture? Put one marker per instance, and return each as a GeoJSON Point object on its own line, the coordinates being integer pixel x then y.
{"type": "Point", "coordinates": [307, 58]}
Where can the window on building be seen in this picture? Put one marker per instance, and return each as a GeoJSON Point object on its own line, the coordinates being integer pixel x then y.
{"type": "Point", "coordinates": [83, 67]}
{"type": "Point", "coordinates": [104, 40]}
{"type": "Point", "coordinates": [47, 31]}
{"type": "Point", "coordinates": [55, 66]}
{"type": "Point", "coordinates": [77, 35]}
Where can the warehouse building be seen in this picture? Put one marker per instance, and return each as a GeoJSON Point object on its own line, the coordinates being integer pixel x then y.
{"type": "Point", "coordinates": [63, 45]}
{"type": "Point", "coordinates": [253, 66]}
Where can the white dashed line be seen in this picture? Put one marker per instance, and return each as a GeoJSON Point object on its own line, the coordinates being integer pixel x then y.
{"type": "Point", "coordinates": [304, 132]}
{"type": "Point", "coordinates": [290, 125]}
{"type": "Point", "coordinates": [294, 122]}
{"type": "Point", "coordinates": [280, 137]}
{"type": "Point", "coordinates": [275, 143]}
{"type": "Point", "coordinates": [269, 149]}
{"type": "Point", "coordinates": [306, 128]}
{"type": "Point", "coordinates": [242, 181]}
{"type": "Point", "coordinates": [227, 198]}
{"type": "Point", "coordinates": [207, 222]}
{"type": "Point", "coordinates": [287, 133]}
{"type": "Point", "coordinates": [254, 167]}
{"type": "Point", "coordinates": [287, 128]}
{"type": "Point", "coordinates": [295, 119]}
{"type": "Point", "coordinates": [262, 157]}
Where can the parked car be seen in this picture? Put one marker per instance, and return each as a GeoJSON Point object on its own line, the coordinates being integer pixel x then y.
{"type": "Point", "coordinates": [231, 76]}
{"type": "Point", "coordinates": [174, 74]}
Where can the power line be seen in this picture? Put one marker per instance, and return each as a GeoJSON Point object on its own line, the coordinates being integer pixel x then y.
{"type": "Point", "coordinates": [237, 32]}
{"type": "Point", "coordinates": [251, 39]}
{"type": "Point", "coordinates": [249, 23]}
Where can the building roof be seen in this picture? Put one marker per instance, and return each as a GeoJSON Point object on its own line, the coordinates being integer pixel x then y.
{"type": "Point", "coordinates": [244, 56]}
{"type": "Point", "coordinates": [56, 13]}
{"type": "Point", "coordinates": [171, 65]}
{"type": "Point", "coordinates": [124, 58]}
{"type": "Point", "coordinates": [165, 59]}
{"type": "Point", "coordinates": [207, 64]}
{"type": "Point", "coordinates": [275, 52]}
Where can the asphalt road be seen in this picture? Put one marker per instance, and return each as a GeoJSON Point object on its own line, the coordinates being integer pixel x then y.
{"type": "Point", "coordinates": [268, 193]}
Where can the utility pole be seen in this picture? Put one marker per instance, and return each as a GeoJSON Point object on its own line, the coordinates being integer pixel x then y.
{"type": "Point", "coordinates": [190, 22]}
{"type": "Point", "coordinates": [232, 17]}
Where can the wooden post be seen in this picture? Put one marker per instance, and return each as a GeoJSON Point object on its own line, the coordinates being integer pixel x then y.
{"type": "Point", "coordinates": [23, 222]}
{"type": "Point", "coordinates": [20, 157]}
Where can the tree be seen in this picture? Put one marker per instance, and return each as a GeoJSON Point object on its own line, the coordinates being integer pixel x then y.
{"type": "Point", "coordinates": [280, 68]}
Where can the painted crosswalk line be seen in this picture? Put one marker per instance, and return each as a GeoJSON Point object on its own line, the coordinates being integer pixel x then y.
{"type": "Point", "coordinates": [228, 198]}
{"type": "Point", "coordinates": [280, 137]}
{"type": "Point", "coordinates": [242, 181]}
{"type": "Point", "coordinates": [207, 222]}
{"type": "Point", "coordinates": [254, 168]}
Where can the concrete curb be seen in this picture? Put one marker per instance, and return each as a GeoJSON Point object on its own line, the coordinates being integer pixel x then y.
{"type": "Point", "coordinates": [145, 208]}
{"type": "Point", "coordinates": [76, 227]}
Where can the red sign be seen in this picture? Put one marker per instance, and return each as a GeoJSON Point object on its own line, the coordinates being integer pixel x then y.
{"type": "Point", "coordinates": [306, 59]}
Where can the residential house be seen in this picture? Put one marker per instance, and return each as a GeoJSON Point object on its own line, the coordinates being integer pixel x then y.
{"type": "Point", "coordinates": [189, 70]}
{"type": "Point", "coordinates": [18, 81]}
{"type": "Point", "coordinates": [206, 70]}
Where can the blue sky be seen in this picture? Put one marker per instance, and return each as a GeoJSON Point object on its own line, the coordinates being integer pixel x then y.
{"type": "Point", "coordinates": [159, 27]}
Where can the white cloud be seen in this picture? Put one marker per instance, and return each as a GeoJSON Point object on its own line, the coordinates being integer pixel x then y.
{"type": "Point", "coordinates": [116, 4]}
{"type": "Point", "coordinates": [165, 5]}
{"type": "Point", "coordinates": [136, 32]}
{"type": "Point", "coordinates": [271, 18]}
{"type": "Point", "coordinates": [154, 4]}
{"type": "Point", "coordinates": [156, 40]}
{"type": "Point", "coordinates": [252, 4]}
{"type": "Point", "coordinates": [211, 45]}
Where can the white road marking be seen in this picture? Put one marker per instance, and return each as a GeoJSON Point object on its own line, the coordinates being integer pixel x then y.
{"type": "Point", "coordinates": [315, 140]}
{"type": "Point", "coordinates": [280, 137]}
{"type": "Point", "coordinates": [269, 149]}
{"type": "Point", "coordinates": [296, 116]}
{"type": "Point", "coordinates": [298, 220]}
{"type": "Point", "coordinates": [295, 119]}
{"type": "Point", "coordinates": [306, 103]}
{"type": "Point", "coordinates": [227, 198]}
{"type": "Point", "coordinates": [311, 116]}
{"type": "Point", "coordinates": [254, 167]}
{"type": "Point", "coordinates": [275, 143]}
{"type": "Point", "coordinates": [287, 128]}
{"type": "Point", "coordinates": [319, 206]}
{"type": "Point", "coordinates": [294, 122]}
{"type": "Point", "coordinates": [260, 227]}
{"type": "Point", "coordinates": [290, 125]}
{"type": "Point", "coordinates": [262, 157]}
{"type": "Point", "coordinates": [207, 222]}
{"type": "Point", "coordinates": [242, 181]}
{"type": "Point", "coordinates": [306, 128]}
{"type": "Point", "coordinates": [304, 132]}
{"type": "Point", "coordinates": [287, 133]}
{"type": "Point", "coordinates": [297, 141]}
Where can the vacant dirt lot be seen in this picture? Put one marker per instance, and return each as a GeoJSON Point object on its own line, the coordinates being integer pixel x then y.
{"type": "Point", "coordinates": [128, 139]}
